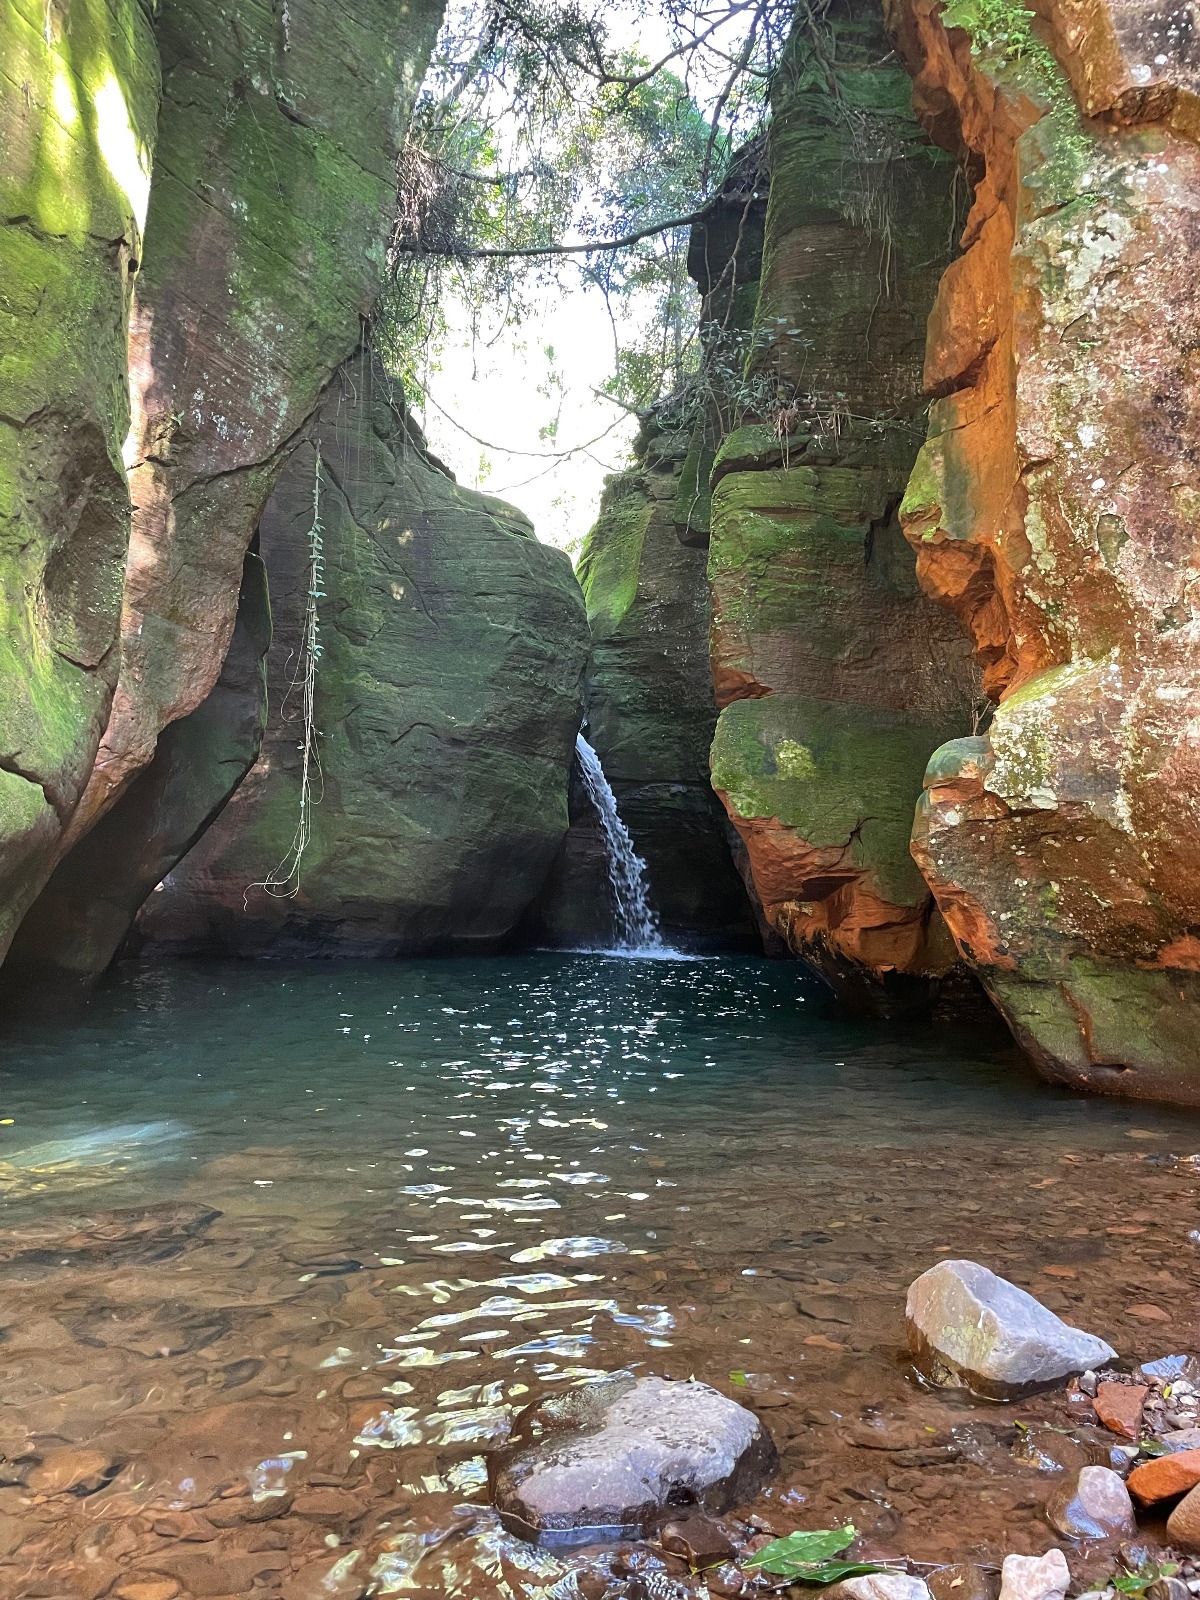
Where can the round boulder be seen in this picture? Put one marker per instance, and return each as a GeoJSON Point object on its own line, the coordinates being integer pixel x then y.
{"type": "Point", "coordinates": [611, 1459]}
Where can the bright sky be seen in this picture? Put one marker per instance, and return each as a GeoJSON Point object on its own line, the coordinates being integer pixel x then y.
{"type": "Point", "coordinates": [502, 393]}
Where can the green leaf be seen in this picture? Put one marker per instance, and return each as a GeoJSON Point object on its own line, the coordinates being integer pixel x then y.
{"type": "Point", "coordinates": [786, 1557]}
{"type": "Point", "coordinates": [832, 1571]}
{"type": "Point", "coordinates": [737, 1377]}
{"type": "Point", "coordinates": [1154, 1447]}
{"type": "Point", "coordinates": [1136, 1583]}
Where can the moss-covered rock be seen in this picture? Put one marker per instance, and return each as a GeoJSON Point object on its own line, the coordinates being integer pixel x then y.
{"type": "Point", "coordinates": [239, 158]}
{"type": "Point", "coordinates": [448, 696]}
{"type": "Point", "coordinates": [1054, 510]}
{"type": "Point", "coordinates": [822, 792]}
{"type": "Point", "coordinates": [650, 705]}
{"type": "Point", "coordinates": [818, 619]}
{"type": "Point", "coordinates": [80, 919]}
{"type": "Point", "coordinates": [650, 716]}
{"type": "Point", "coordinates": [79, 91]}
{"type": "Point", "coordinates": [272, 197]}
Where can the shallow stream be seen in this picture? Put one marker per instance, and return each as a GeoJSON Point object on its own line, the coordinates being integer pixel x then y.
{"type": "Point", "coordinates": [445, 1188]}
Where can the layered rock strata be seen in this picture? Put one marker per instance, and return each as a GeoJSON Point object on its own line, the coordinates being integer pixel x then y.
{"type": "Point", "coordinates": [258, 233]}
{"type": "Point", "coordinates": [1053, 509]}
{"type": "Point", "coordinates": [836, 675]}
{"type": "Point", "coordinates": [446, 699]}
{"type": "Point", "coordinates": [79, 92]}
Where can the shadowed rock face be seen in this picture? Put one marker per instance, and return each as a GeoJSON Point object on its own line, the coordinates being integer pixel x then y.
{"type": "Point", "coordinates": [81, 917]}
{"type": "Point", "coordinates": [650, 716]}
{"type": "Point", "coordinates": [448, 697]}
{"type": "Point", "coordinates": [836, 674]}
{"type": "Point", "coordinates": [650, 710]}
{"type": "Point", "coordinates": [611, 1460]}
{"type": "Point", "coordinates": [269, 203]}
{"type": "Point", "coordinates": [1053, 509]}
{"type": "Point", "coordinates": [272, 200]}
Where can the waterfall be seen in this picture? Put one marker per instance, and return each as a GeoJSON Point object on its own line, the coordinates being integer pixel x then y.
{"type": "Point", "coordinates": [636, 925]}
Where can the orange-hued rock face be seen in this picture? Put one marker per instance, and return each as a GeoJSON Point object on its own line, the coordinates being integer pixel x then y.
{"type": "Point", "coordinates": [835, 675]}
{"type": "Point", "coordinates": [1054, 509]}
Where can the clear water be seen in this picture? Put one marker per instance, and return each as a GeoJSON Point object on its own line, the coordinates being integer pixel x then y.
{"type": "Point", "coordinates": [446, 1187]}
{"type": "Point", "coordinates": [637, 930]}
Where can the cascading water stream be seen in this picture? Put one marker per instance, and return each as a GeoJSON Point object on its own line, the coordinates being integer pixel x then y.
{"type": "Point", "coordinates": [636, 924]}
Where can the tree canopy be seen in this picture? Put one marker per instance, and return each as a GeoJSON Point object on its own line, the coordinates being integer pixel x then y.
{"type": "Point", "coordinates": [549, 141]}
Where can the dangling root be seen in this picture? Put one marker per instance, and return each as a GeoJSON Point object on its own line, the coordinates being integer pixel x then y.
{"type": "Point", "coordinates": [283, 881]}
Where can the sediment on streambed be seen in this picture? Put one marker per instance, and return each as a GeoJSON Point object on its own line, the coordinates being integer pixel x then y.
{"type": "Point", "coordinates": [345, 1306]}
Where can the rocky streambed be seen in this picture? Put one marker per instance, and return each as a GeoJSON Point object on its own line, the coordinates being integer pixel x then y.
{"type": "Point", "coordinates": [271, 1338]}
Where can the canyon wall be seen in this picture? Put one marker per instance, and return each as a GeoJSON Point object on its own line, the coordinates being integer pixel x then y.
{"type": "Point", "coordinates": [836, 675]}
{"type": "Point", "coordinates": [450, 648]}
{"type": "Point", "coordinates": [198, 197]}
{"type": "Point", "coordinates": [650, 716]}
{"type": "Point", "coordinates": [79, 93]}
{"type": "Point", "coordinates": [1054, 511]}
{"type": "Point", "coordinates": [649, 707]}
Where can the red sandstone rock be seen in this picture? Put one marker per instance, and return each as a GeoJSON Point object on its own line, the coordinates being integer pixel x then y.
{"type": "Point", "coordinates": [1183, 1525]}
{"type": "Point", "coordinates": [835, 675]}
{"type": "Point", "coordinates": [1165, 1476]}
{"type": "Point", "coordinates": [1119, 1407]}
{"type": "Point", "coordinates": [1053, 509]}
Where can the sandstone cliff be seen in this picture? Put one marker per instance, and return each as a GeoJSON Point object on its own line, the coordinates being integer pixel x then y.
{"type": "Point", "coordinates": [650, 716]}
{"type": "Point", "coordinates": [452, 647]}
{"type": "Point", "coordinates": [78, 109]}
{"type": "Point", "coordinates": [1054, 510]}
{"type": "Point", "coordinates": [837, 676]}
{"type": "Point", "coordinates": [650, 711]}
{"type": "Point", "coordinates": [254, 207]}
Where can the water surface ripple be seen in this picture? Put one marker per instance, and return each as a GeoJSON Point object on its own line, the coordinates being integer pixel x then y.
{"type": "Point", "coordinates": [445, 1188]}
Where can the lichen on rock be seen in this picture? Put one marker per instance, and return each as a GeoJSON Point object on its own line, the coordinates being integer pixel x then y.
{"type": "Point", "coordinates": [1053, 509]}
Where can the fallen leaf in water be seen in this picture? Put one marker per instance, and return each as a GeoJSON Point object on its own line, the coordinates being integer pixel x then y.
{"type": "Point", "coordinates": [1148, 1313]}
{"type": "Point", "coordinates": [1060, 1272]}
{"type": "Point", "coordinates": [1045, 1183]}
{"type": "Point", "coordinates": [820, 1342]}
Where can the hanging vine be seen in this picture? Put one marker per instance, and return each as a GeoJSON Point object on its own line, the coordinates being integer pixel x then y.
{"type": "Point", "coordinates": [283, 881]}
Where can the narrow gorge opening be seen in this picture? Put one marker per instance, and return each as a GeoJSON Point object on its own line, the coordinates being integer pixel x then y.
{"type": "Point", "coordinates": [599, 710]}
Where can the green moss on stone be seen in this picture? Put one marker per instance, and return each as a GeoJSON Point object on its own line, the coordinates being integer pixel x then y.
{"type": "Point", "coordinates": [611, 556]}
{"type": "Point", "coordinates": [838, 775]}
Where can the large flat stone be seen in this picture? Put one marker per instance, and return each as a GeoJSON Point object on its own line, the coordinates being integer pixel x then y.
{"type": "Point", "coordinates": [611, 1459]}
{"type": "Point", "coordinates": [969, 1328]}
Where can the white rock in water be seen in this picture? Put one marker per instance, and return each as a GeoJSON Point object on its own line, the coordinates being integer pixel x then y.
{"type": "Point", "coordinates": [880, 1586]}
{"type": "Point", "coordinates": [607, 1460]}
{"type": "Point", "coordinates": [1035, 1577]}
{"type": "Point", "coordinates": [967, 1326]}
{"type": "Point", "coordinates": [1095, 1506]}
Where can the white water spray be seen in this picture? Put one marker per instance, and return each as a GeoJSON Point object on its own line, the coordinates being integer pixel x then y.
{"type": "Point", "coordinates": [636, 925]}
